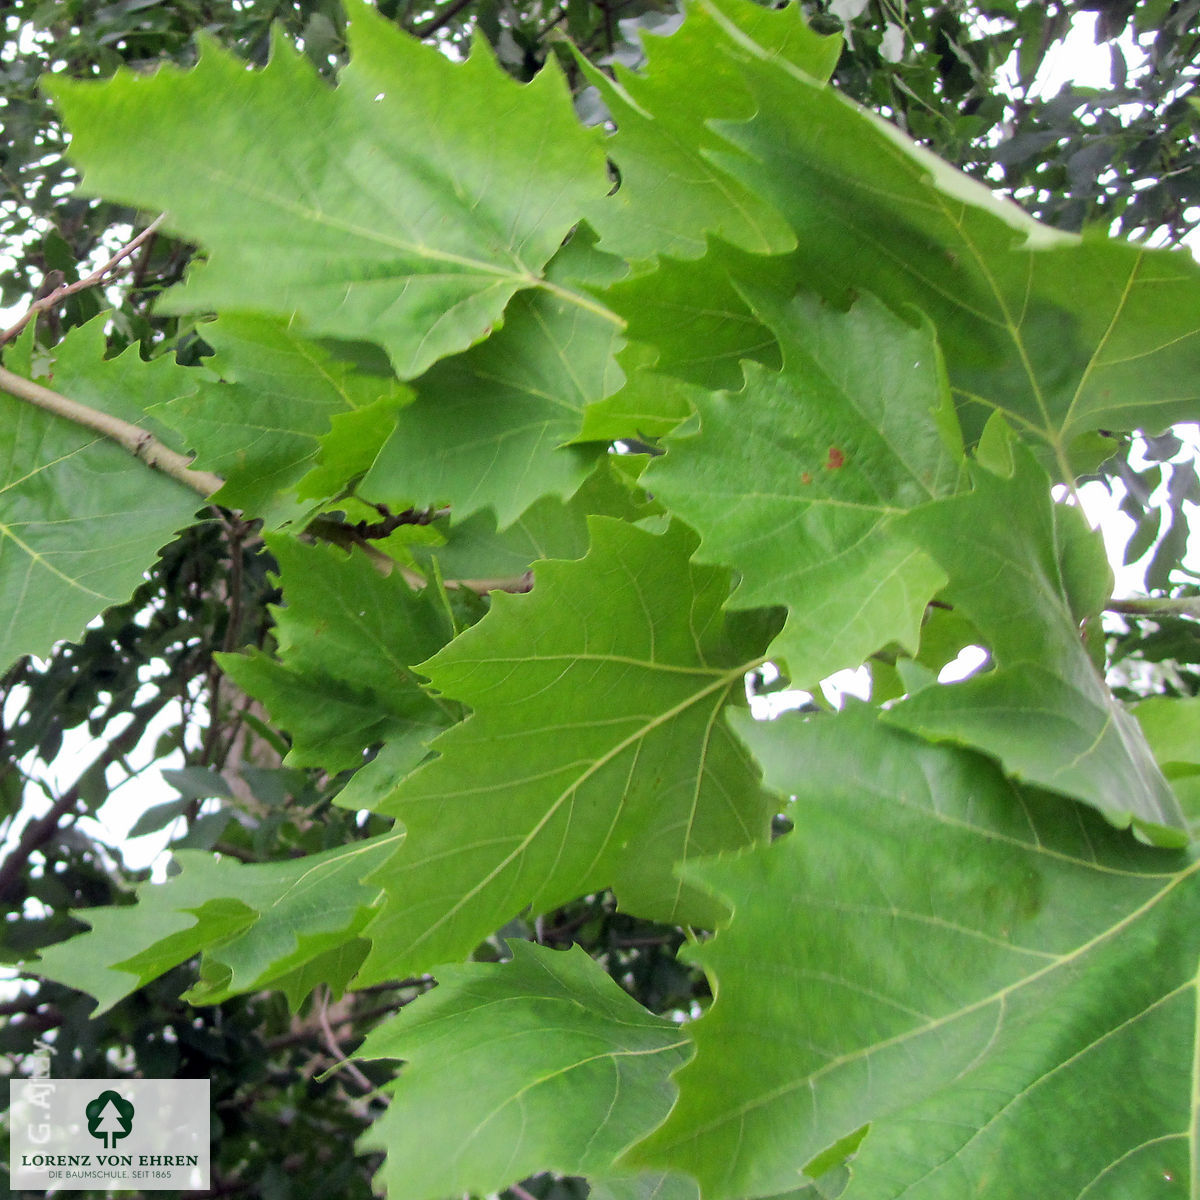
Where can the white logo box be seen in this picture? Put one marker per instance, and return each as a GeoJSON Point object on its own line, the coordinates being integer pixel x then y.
{"type": "Point", "coordinates": [123, 1134]}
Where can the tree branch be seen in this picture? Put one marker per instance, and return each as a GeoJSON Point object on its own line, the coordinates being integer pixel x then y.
{"type": "Point", "coordinates": [139, 442]}
{"type": "Point", "coordinates": [441, 19]}
{"type": "Point", "coordinates": [329, 529]}
{"type": "Point", "coordinates": [1157, 606]}
{"type": "Point", "coordinates": [330, 1039]}
{"type": "Point", "coordinates": [61, 293]}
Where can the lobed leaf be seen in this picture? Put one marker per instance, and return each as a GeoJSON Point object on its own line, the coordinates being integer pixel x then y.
{"type": "Point", "coordinates": [1062, 334]}
{"type": "Point", "coordinates": [1045, 712]}
{"type": "Point", "coordinates": [382, 210]}
{"type": "Point", "coordinates": [262, 428]}
{"type": "Point", "coordinates": [566, 1071]}
{"type": "Point", "coordinates": [795, 480]}
{"type": "Point", "coordinates": [343, 681]}
{"type": "Point", "coordinates": [956, 961]}
{"type": "Point", "coordinates": [254, 924]}
{"type": "Point", "coordinates": [488, 428]}
{"type": "Point", "coordinates": [596, 755]}
{"type": "Point", "coordinates": [670, 194]}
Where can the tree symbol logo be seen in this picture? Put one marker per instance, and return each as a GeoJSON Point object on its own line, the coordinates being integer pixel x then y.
{"type": "Point", "coordinates": [109, 1117]}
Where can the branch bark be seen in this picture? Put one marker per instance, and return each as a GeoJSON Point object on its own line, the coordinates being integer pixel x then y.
{"type": "Point", "coordinates": [1157, 606]}
{"type": "Point", "coordinates": [139, 442]}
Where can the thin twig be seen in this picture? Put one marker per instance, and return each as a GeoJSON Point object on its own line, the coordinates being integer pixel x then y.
{"type": "Point", "coordinates": [441, 19]}
{"type": "Point", "coordinates": [329, 529]}
{"type": "Point", "coordinates": [335, 1048]}
{"type": "Point", "coordinates": [69, 289]}
{"type": "Point", "coordinates": [1157, 606]}
{"type": "Point", "coordinates": [138, 441]}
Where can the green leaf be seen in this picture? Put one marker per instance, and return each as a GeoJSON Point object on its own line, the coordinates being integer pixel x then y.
{"type": "Point", "coordinates": [696, 318]}
{"type": "Point", "coordinates": [488, 427]}
{"type": "Point", "coordinates": [385, 210]}
{"type": "Point", "coordinates": [670, 194]}
{"type": "Point", "coordinates": [332, 969]}
{"type": "Point", "coordinates": [794, 481]}
{"type": "Point", "coordinates": [1171, 725]}
{"type": "Point", "coordinates": [262, 427]}
{"type": "Point", "coordinates": [646, 1185]}
{"type": "Point", "coordinates": [955, 961]}
{"type": "Point", "coordinates": [596, 755]}
{"type": "Point", "coordinates": [566, 1071]}
{"type": "Point", "coordinates": [284, 914]}
{"type": "Point", "coordinates": [648, 404]}
{"type": "Point", "coordinates": [80, 519]}
{"type": "Point", "coordinates": [346, 452]}
{"type": "Point", "coordinates": [1045, 712]}
{"type": "Point", "coordinates": [1065, 335]}
{"type": "Point", "coordinates": [348, 637]}
{"type": "Point", "coordinates": [474, 549]}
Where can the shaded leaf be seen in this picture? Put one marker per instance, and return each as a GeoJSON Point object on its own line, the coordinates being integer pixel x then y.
{"type": "Point", "coordinates": [566, 1070]}
{"type": "Point", "coordinates": [1064, 335]}
{"type": "Point", "coordinates": [348, 638]}
{"type": "Point", "coordinates": [262, 427]}
{"type": "Point", "coordinates": [474, 549]}
{"type": "Point", "coordinates": [284, 914]}
{"type": "Point", "coordinates": [488, 428]}
{"type": "Point", "coordinates": [1045, 712]}
{"type": "Point", "coordinates": [696, 318]}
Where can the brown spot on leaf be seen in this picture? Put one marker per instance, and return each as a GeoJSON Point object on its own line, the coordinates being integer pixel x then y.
{"type": "Point", "coordinates": [835, 460]}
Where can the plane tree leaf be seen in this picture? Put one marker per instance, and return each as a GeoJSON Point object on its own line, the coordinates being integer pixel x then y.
{"type": "Point", "coordinates": [475, 549]}
{"type": "Point", "coordinates": [1045, 711]}
{"type": "Point", "coordinates": [488, 428]}
{"type": "Point", "coordinates": [253, 923]}
{"type": "Point", "coordinates": [695, 317]}
{"type": "Point", "coordinates": [1063, 334]}
{"type": "Point", "coordinates": [263, 426]}
{"type": "Point", "coordinates": [670, 194]}
{"type": "Point", "coordinates": [570, 1102]}
{"type": "Point", "coordinates": [343, 680]}
{"type": "Point", "coordinates": [395, 215]}
{"type": "Point", "coordinates": [80, 519]}
{"type": "Point", "coordinates": [955, 961]}
{"type": "Point", "coordinates": [795, 480]}
{"type": "Point", "coordinates": [595, 756]}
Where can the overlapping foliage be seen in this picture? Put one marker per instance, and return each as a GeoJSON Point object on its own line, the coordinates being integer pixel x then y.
{"type": "Point", "coordinates": [866, 374]}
